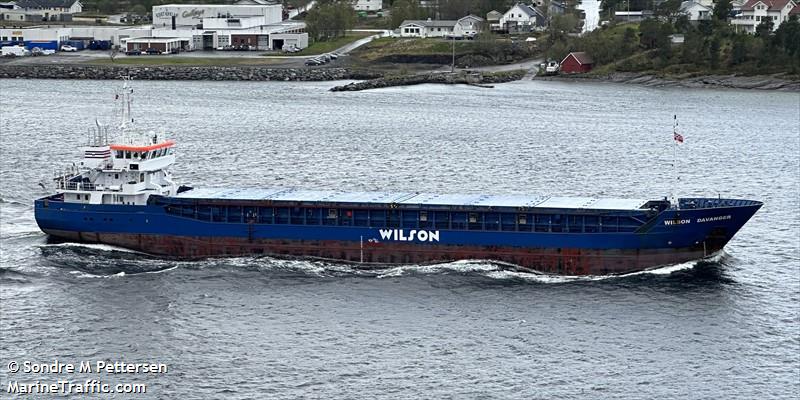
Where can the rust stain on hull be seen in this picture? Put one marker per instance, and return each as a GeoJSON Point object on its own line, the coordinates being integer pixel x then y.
{"type": "Point", "coordinates": [561, 261]}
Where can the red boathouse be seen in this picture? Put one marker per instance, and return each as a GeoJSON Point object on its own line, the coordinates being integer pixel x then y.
{"type": "Point", "coordinates": [576, 63]}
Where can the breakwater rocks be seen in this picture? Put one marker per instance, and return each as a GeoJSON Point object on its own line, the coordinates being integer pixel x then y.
{"type": "Point", "coordinates": [204, 73]}
{"type": "Point", "coordinates": [461, 77]}
{"type": "Point", "coordinates": [763, 82]}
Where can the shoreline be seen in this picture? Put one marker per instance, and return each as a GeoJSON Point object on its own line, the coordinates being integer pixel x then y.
{"type": "Point", "coordinates": [266, 73]}
{"type": "Point", "coordinates": [192, 73]}
{"type": "Point", "coordinates": [757, 82]}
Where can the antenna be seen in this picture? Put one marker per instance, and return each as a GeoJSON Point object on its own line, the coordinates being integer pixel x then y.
{"type": "Point", "coordinates": [677, 139]}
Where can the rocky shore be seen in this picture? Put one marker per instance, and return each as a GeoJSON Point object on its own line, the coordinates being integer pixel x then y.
{"type": "Point", "coordinates": [461, 77]}
{"type": "Point", "coordinates": [208, 73]}
{"type": "Point", "coordinates": [764, 82]}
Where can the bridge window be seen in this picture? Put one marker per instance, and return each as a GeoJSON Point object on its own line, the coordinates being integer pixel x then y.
{"type": "Point", "coordinates": [128, 154]}
{"type": "Point", "coordinates": [119, 154]}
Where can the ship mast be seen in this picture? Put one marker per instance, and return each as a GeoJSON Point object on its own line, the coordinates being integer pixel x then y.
{"type": "Point", "coordinates": [126, 96]}
{"type": "Point", "coordinates": [676, 139]}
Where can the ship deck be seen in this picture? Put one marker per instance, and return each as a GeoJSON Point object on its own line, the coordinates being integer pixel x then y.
{"type": "Point", "coordinates": [414, 199]}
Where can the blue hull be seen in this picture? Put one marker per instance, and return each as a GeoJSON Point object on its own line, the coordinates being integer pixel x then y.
{"type": "Point", "coordinates": [670, 236]}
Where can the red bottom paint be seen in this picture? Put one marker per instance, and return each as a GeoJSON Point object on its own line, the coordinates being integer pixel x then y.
{"type": "Point", "coordinates": [561, 261]}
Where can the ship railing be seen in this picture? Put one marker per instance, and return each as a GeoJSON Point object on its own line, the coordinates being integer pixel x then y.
{"type": "Point", "coordinates": [97, 136]}
{"type": "Point", "coordinates": [77, 186]}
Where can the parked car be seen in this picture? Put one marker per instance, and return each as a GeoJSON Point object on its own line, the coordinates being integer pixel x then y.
{"type": "Point", "coordinates": [67, 47]}
{"type": "Point", "coordinates": [152, 51]}
{"type": "Point", "coordinates": [134, 52]}
{"type": "Point", "coordinates": [333, 56]}
{"type": "Point", "coordinates": [37, 51]}
{"type": "Point", "coordinates": [314, 61]}
{"type": "Point", "coordinates": [552, 68]}
{"type": "Point", "coordinates": [290, 48]}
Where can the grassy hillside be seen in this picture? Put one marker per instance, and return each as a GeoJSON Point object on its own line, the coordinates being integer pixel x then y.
{"type": "Point", "coordinates": [709, 48]}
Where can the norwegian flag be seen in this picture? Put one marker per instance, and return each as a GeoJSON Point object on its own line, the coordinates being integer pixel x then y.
{"type": "Point", "coordinates": [678, 137]}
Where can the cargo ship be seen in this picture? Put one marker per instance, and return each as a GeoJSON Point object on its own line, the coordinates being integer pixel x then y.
{"type": "Point", "coordinates": [123, 194]}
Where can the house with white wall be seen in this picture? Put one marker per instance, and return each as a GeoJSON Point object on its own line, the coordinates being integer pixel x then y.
{"type": "Point", "coordinates": [696, 11]}
{"type": "Point", "coordinates": [51, 7]}
{"type": "Point", "coordinates": [466, 26]}
{"type": "Point", "coordinates": [368, 5]}
{"type": "Point", "coordinates": [521, 18]}
{"type": "Point", "coordinates": [753, 12]}
{"type": "Point", "coordinates": [469, 26]}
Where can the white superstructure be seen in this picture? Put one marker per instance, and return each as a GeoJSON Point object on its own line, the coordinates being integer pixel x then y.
{"type": "Point", "coordinates": [126, 171]}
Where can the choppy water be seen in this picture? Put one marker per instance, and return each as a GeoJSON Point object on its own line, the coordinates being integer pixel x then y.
{"type": "Point", "coordinates": [266, 328]}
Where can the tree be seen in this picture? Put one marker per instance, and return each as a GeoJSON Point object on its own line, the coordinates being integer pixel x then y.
{"type": "Point", "coordinates": [764, 29]}
{"type": "Point", "coordinates": [330, 20]}
{"type": "Point", "coordinates": [722, 10]}
{"type": "Point", "coordinates": [669, 9]}
{"type": "Point", "coordinates": [787, 37]}
{"type": "Point", "coordinates": [406, 9]}
{"type": "Point", "coordinates": [654, 34]}
{"type": "Point", "coordinates": [713, 52]}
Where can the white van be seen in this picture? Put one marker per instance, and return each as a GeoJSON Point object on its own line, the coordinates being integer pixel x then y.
{"type": "Point", "coordinates": [12, 51]}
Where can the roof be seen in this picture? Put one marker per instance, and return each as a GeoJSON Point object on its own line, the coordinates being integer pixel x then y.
{"type": "Point", "coordinates": [430, 22]}
{"type": "Point", "coordinates": [494, 13]}
{"type": "Point", "coordinates": [46, 3]}
{"type": "Point", "coordinates": [772, 5]}
{"type": "Point", "coordinates": [414, 199]}
{"type": "Point", "coordinates": [581, 57]}
{"type": "Point", "coordinates": [149, 39]}
{"type": "Point", "coordinates": [691, 3]}
{"type": "Point", "coordinates": [471, 16]}
{"type": "Point", "coordinates": [528, 10]}
{"type": "Point", "coordinates": [795, 10]}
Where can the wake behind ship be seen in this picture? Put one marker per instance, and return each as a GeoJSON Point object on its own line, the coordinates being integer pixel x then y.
{"type": "Point", "coordinates": [122, 194]}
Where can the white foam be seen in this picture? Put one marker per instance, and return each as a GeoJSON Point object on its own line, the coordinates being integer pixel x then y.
{"type": "Point", "coordinates": [93, 246]}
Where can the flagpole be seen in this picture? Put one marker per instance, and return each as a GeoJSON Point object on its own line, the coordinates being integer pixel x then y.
{"type": "Point", "coordinates": [675, 161]}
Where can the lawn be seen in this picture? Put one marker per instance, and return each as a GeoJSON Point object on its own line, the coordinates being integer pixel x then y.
{"type": "Point", "coordinates": [383, 47]}
{"type": "Point", "coordinates": [330, 45]}
{"type": "Point", "coordinates": [188, 61]}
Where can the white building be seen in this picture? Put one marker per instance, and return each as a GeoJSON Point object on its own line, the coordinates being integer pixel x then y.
{"type": "Point", "coordinates": [466, 26]}
{"type": "Point", "coordinates": [426, 28]}
{"type": "Point", "coordinates": [50, 7]}
{"type": "Point", "coordinates": [368, 5]}
{"type": "Point", "coordinates": [194, 14]}
{"type": "Point", "coordinates": [753, 12]}
{"type": "Point", "coordinates": [696, 11]}
{"type": "Point", "coordinates": [521, 18]}
{"type": "Point", "coordinates": [469, 26]}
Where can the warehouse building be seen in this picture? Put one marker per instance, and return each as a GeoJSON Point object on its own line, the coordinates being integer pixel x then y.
{"type": "Point", "coordinates": [197, 27]}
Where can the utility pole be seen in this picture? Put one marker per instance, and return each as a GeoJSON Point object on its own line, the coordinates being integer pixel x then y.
{"type": "Point", "coordinates": [453, 65]}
